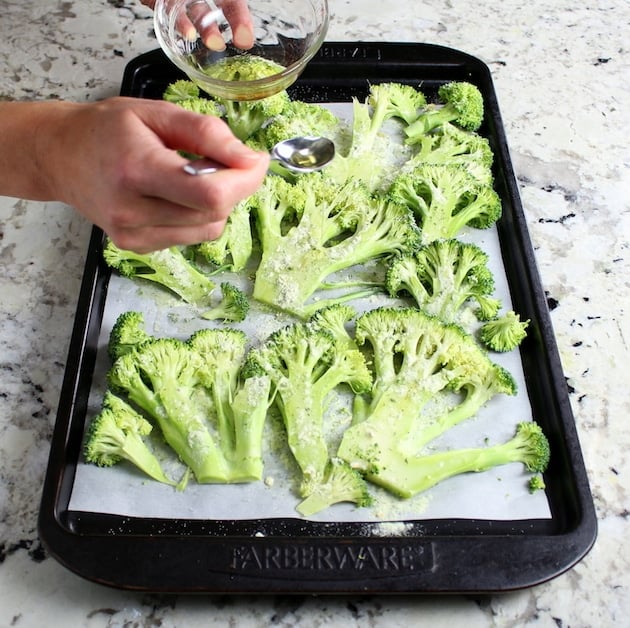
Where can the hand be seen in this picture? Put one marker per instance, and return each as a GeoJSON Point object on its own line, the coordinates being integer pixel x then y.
{"type": "Point", "coordinates": [236, 12]}
{"type": "Point", "coordinates": [116, 162]}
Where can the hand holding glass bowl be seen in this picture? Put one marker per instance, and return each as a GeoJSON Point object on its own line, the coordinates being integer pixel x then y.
{"type": "Point", "coordinates": [199, 36]}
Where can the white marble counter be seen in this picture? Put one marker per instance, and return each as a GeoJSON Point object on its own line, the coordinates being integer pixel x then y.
{"type": "Point", "coordinates": [561, 74]}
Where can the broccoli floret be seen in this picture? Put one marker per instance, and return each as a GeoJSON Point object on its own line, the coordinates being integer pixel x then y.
{"type": "Point", "coordinates": [460, 102]}
{"type": "Point", "coordinates": [364, 159]}
{"type": "Point", "coordinates": [504, 333]}
{"type": "Point", "coordinates": [394, 100]}
{"type": "Point", "coordinates": [182, 384]}
{"type": "Point", "coordinates": [299, 119]}
{"type": "Point", "coordinates": [305, 365]}
{"type": "Point", "coordinates": [186, 94]}
{"type": "Point", "coordinates": [117, 433]}
{"type": "Point", "coordinates": [127, 331]}
{"type": "Point", "coordinates": [239, 405]}
{"type": "Point", "coordinates": [233, 306]}
{"type": "Point", "coordinates": [233, 248]}
{"type": "Point", "coordinates": [418, 361]}
{"type": "Point", "coordinates": [168, 268]}
{"type": "Point", "coordinates": [528, 446]}
{"type": "Point", "coordinates": [342, 483]}
{"type": "Point", "coordinates": [331, 228]}
{"type": "Point", "coordinates": [247, 117]}
{"type": "Point", "coordinates": [536, 483]}
{"type": "Point", "coordinates": [454, 146]}
{"type": "Point", "coordinates": [442, 277]}
{"type": "Point", "coordinates": [181, 90]}
{"type": "Point", "coordinates": [446, 198]}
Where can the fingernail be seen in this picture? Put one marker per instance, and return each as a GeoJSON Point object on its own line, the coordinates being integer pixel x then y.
{"type": "Point", "coordinates": [243, 37]}
{"type": "Point", "coordinates": [214, 42]}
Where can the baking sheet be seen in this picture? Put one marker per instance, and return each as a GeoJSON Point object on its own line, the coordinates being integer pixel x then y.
{"type": "Point", "coordinates": [436, 551]}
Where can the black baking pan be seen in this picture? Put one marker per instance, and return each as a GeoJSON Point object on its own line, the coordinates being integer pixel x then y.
{"type": "Point", "coordinates": [296, 556]}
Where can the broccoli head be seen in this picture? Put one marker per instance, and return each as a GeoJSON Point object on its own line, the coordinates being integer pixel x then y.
{"type": "Point", "coordinates": [341, 483]}
{"type": "Point", "coordinates": [442, 277]}
{"type": "Point", "coordinates": [529, 446]}
{"type": "Point", "coordinates": [312, 228]}
{"type": "Point", "coordinates": [504, 333]}
{"type": "Point", "coordinates": [445, 199]}
{"type": "Point", "coordinates": [168, 268]}
{"type": "Point", "coordinates": [299, 119]}
{"type": "Point", "coordinates": [233, 306]}
{"type": "Point", "coordinates": [460, 102]}
{"type": "Point", "coordinates": [127, 331]}
{"type": "Point", "coordinates": [417, 359]}
{"type": "Point", "coordinates": [117, 433]}
{"type": "Point", "coordinates": [233, 248]}
{"type": "Point", "coordinates": [304, 365]}
{"type": "Point", "coordinates": [185, 385]}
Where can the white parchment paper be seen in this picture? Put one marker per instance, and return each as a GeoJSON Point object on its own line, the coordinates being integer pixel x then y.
{"type": "Point", "coordinates": [498, 494]}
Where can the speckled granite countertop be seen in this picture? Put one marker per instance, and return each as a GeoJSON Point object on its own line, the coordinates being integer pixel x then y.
{"type": "Point", "coordinates": [561, 74]}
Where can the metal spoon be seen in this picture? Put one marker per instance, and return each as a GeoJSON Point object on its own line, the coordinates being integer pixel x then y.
{"type": "Point", "coordinates": [299, 154]}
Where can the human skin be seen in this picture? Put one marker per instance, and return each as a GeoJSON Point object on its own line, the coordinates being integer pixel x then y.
{"type": "Point", "coordinates": [117, 162]}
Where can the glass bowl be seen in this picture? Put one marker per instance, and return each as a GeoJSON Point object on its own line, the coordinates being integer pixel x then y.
{"type": "Point", "coordinates": [201, 36]}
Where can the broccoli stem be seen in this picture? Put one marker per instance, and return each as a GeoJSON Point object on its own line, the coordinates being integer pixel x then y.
{"type": "Point", "coordinates": [406, 477]}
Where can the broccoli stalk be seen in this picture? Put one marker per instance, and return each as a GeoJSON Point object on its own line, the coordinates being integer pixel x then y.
{"type": "Point", "coordinates": [528, 446]}
{"type": "Point", "coordinates": [417, 359]}
{"type": "Point", "coordinates": [311, 229]}
{"type": "Point", "coordinates": [504, 333]}
{"type": "Point", "coordinates": [233, 306]}
{"type": "Point", "coordinates": [442, 277]}
{"type": "Point", "coordinates": [460, 102]}
{"type": "Point", "coordinates": [127, 331]}
{"type": "Point", "coordinates": [167, 268]}
{"type": "Point", "coordinates": [116, 434]}
{"type": "Point", "coordinates": [305, 365]}
{"type": "Point", "coordinates": [445, 199]}
{"type": "Point", "coordinates": [183, 384]}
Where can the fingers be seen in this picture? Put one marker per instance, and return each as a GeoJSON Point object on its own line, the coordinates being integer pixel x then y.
{"type": "Point", "coordinates": [155, 238]}
{"type": "Point", "coordinates": [202, 18]}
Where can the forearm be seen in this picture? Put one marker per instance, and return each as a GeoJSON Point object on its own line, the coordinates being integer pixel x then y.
{"type": "Point", "coordinates": [28, 131]}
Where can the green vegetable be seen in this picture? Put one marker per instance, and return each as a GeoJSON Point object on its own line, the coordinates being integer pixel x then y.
{"type": "Point", "coordinates": [450, 145]}
{"type": "Point", "coordinates": [117, 433]}
{"type": "Point", "coordinates": [299, 119]}
{"type": "Point", "coordinates": [445, 199]}
{"type": "Point", "coordinates": [233, 306]}
{"type": "Point", "coordinates": [181, 385]}
{"type": "Point", "coordinates": [168, 268]}
{"type": "Point", "coordinates": [460, 102]}
{"type": "Point", "coordinates": [528, 446]}
{"type": "Point", "coordinates": [341, 483]}
{"type": "Point", "coordinates": [418, 360]}
{"type": "Point", "coordinates": [233, 248]}
{"type": "Point", "coordinates": [127, 332]}
{"type": "Point", "coordinates": [504, 333]}
{"type": "Point", "coordinates": [305, 365]}
{"type": "Point", "coordinates": [368, 157]}
{"type": "Point", "coordinates": [442, 277]}
{"type": "Point", "coordinates": [312, 228]}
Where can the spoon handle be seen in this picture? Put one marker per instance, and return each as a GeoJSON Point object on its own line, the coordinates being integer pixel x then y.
{"type": "Point", "coordinates": [202, 166]}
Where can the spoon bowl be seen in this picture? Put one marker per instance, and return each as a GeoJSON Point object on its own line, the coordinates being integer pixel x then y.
{"type": "Point", "coordinates": [298, 154]}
